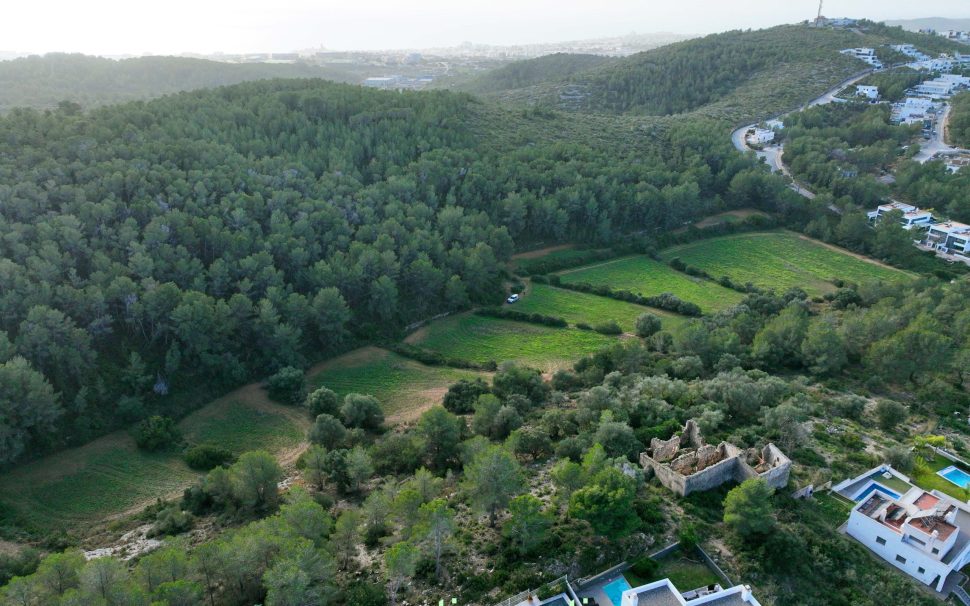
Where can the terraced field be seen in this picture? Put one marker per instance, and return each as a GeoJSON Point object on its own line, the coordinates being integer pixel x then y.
{"type": "Point", "coordinates": [110, 476]}
{"type": "Point", "coordinates": [582, 307]}
{"type": "Point", "coordinates": [781, 260]}
{"type": "Point", "coordinates": [404, 387]}
{"type": "Point", "coordinates": [481, 339]}
{"type": "Point", "coordinates": [641, 274]}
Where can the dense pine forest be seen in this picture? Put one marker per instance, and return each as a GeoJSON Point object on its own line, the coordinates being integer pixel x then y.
{"type": "Point", "coordinates": [217, 236]}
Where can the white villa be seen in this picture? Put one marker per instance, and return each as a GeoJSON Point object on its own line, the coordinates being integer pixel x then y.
{"type": "Point", "coordinates": [949, 237]}
{"type": "Point", "coordinates": [869, 92]}
{"type": "Point", "coordinates": [912, 216]}
{"type": "Point", "coordinates": [760, 136]}
{"type": "Point", "coordinates": [910, 51]}
{"type": "Point", "coordinates": [864, 54]}
{"type": "Point", "coordinates": [924, 534]}
{"type": "Point", "coordinates": [664, 593]}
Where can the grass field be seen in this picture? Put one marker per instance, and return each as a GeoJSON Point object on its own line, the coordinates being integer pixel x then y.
{"type": "Point", "coordinates": [481, 339]}
{"type": "Point", "coordinates": [582, 307]}
{"type": "Point", "coordinates": [646, 276]}
{"type": "Point", "coordinates": [565, 255]}
{"type": "Point", "coordinates": [685, 571]}
{"type": "Point", "coordinates": [780, 260]}
{"type": "Point", "coordinates": [111, 476]}
{"type": "Point", "coordinates": [404, 387]}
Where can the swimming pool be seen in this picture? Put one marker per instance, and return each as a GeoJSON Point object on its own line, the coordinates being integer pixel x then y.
{"type": "Point", "coordinates": [873, 486]}
{"type": "Point", "coordinates": [956, 475]}
{"type": "Point", "coordinates": [614, 590]}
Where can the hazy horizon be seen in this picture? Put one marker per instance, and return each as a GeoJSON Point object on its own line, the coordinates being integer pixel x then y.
{"type": "Point", "coordinates": [114, 27]}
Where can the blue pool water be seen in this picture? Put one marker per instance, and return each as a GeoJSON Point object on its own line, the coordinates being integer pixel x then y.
{"type": "Point", "coordinates": [957, 476]}
{"type": "Point", "coordinates": [614, 590]}
{"type": "Point", "coordinates": [865, 493]}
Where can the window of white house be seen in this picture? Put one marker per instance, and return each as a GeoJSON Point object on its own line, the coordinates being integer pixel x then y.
{"type": "Point", "coordinates": [900, 559]}
{"type": "Point", "coordinates": [921, 570]}
{"type": "Point", "coordinates": [880, 540]}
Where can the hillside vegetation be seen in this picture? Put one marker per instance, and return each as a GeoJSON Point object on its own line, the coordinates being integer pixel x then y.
{"type": "Point", "coordinates": [153, 251]}
{"type": "Point", "coordinates": [529, 72]}
{"type": "Point", "coordinates": [736, 76]}
{"type": "Point", "coordinates": [45, 81]}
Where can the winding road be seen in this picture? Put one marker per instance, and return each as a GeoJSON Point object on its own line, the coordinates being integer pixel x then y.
{"type": "Point", "coordinates": [773, 153]}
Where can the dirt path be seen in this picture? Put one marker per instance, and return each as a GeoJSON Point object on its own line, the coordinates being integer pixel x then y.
{"type": "Point", "coordinates": [869, 260]}
{"type": "Point", "coordinates": [585, 267]}
{"type": "Point", "coordinates": [542, 252]}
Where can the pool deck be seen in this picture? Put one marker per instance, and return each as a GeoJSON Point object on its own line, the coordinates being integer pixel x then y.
{"type": "Point", "coordinates": [595, 591]}
{"type": "Point", "coordinates": [948, 470]}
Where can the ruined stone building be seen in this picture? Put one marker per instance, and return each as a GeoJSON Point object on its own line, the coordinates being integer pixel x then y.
{"type": "Point", "coordinates": [686, 464]}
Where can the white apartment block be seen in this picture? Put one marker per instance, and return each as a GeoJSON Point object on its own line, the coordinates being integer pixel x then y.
{"type": "Point", "coordinates": [910, 51]}
{"type": "Point", "coordinates": [912, 216]}
{"type": "Point", "coordinates": [924, 534]}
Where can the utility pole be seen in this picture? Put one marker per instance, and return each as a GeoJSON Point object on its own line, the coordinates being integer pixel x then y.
{"type": "Point", "coordinates": [818, 18]}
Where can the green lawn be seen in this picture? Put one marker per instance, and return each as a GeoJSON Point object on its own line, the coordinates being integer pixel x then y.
{"type": "Point", "coordinates": [643, 275]}
{"type": "Point", "coordinates": [834, 508]}
{"type": "Point", "coordinates": [481, 339]}
{"type": "Point", "coordinates": [780, 260]}
{"type": "Point", "coordinates": [926, 478]}
{"type": "Point", "coordinates": [404, 387]}
{"type": "Point", "coordinates": [576, 307]}
{"type": "Point", "coordinates": [110, 476]}
{"type": "Point", "coordinates": [685, 572]}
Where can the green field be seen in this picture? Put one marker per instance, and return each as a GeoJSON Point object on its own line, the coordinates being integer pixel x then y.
{"type": "Point", "coordinates": [481, 339]}
{"type": "Point", "coordinates": [582, 307]}
{"type": "Point", "coordinates": [641, 274]}
{"type": "Point", "coordinates": [404, 387]}
{"type": "Point", "coordinates": [780, 260]}
{"type": "Point", "coordinates": [111, 476]}
{"type": "Point", "coordinates": [565, 255]}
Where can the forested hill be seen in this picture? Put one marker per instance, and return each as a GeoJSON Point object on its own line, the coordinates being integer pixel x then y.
{"type": "Point", "coordinates": [735, 76]}
{"type": "Point", "coordinates": [213, 237]}
{"type": "Point", "coordinates": [529, 72]}
{"type": "Point", "coordinates": [90, 81]}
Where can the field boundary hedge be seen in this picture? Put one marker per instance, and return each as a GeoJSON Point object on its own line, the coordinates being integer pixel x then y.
{"type": "Point", "coordinates": [433, 358]}
{"type": "Point", "coordinates": [521, 316]}
{"type": "Point", "coordinates": [666, 301]}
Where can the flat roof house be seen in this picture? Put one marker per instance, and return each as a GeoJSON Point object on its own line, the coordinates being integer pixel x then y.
{"type": "Point", "coordinates": [685, 464]}
{"type": "Point", "coordinates": [924, 534]}
{"type": "Point", "coordinates": [912, 216]}
{"type": "Point", "coordinates": [864, 54]}
{"type": "Point", "coordinates": [869, 92]}
{"type": "Point", "coordinates": [761, 135]}
{"type": "Point", "coordinates": [664, 593]}
{"type": "Point", "coordinates": [949, 236]}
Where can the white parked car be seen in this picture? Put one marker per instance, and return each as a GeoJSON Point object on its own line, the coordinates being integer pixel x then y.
{"type": "Point", "coordinates": [512, 299]}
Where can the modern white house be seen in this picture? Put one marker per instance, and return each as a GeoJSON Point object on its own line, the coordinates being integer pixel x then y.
{"type": "Point", "coordinates": [925, 534]}
{"type": "Point", "coordinates": [760, 136]}
{"type": "Point", "coordinates": [936, 89]}
{"type": "Point", "coordinates": [664, 593]}
{"type": "Point", "coordinates": [910, 51]}
{"type": "Point", "coordinates": [864, 54]}
{"type": "Point", "coordinates": [912, 216]}
{"type": "Point", "coordinates": [869, 92]}
{"type": "Point", "coordinates": [949, 237]}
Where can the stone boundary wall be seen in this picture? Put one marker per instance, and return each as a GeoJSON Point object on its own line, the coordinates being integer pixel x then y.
{"type": "Point", "coordinates": [717, 569]}
{"type": "Point", "coordinates": [622, 566]}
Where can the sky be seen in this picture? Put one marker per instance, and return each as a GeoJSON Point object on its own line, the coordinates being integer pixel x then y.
{"type": "Point", "coordinates": [112, 27]}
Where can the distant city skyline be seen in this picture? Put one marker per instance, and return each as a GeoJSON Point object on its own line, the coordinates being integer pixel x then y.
{"type": "Point", "coordinates": [120, 27]}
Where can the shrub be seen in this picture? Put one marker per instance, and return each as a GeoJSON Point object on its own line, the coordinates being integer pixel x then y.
{"type": "Point", "coordinates": [322, 401]}
{"type": "Point", "coordinates": [170, 521]}
{"type": "Point", "coordinates": [461, 396]}
{"type": "Point", "coordinates": [328, 431]}
{"type": "Point", "coordinates": [286, 386]}
{"type": "Point", "coordinates": [361, 411]}
{"type": "Point", "coordinates": [647, 325]}
{"type": "Point", "coordinates": [645, 568]}
{"type": "Point", "coordinates": [156, 433]}
{"type": "Point", "coordinates": [608, 328]}
{"type": "Point", "coordinates": [206, 456]}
